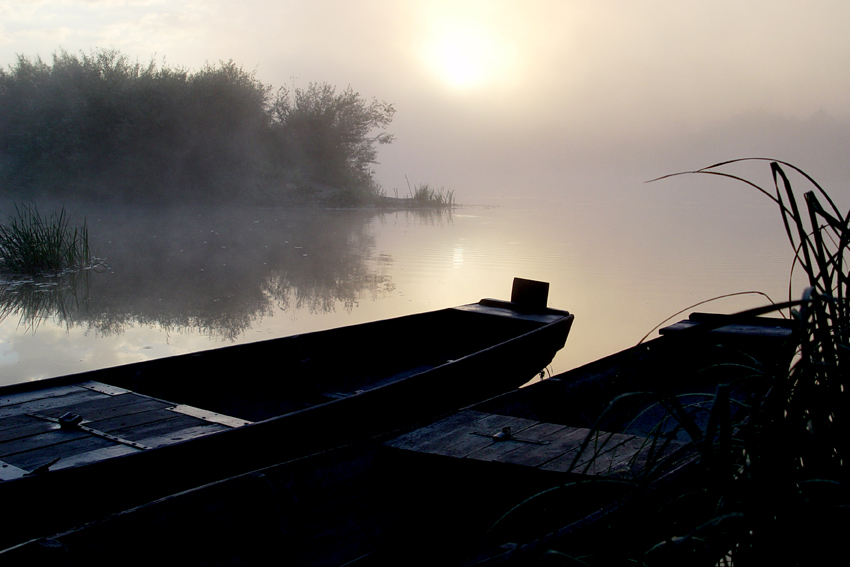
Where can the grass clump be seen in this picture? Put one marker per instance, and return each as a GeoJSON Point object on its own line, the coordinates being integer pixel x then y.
{"type": "Point", "coordinates": [781, 495]}
{"type": "Point", "coordinates": [426, 196]}
{"type": "Point", "coordinates": [32, 244]}
{"type": "Point", "coordinates": [771, 485]}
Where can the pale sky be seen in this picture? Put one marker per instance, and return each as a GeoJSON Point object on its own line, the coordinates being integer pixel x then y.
{"type": "Point", "coordinates": [499, 93]}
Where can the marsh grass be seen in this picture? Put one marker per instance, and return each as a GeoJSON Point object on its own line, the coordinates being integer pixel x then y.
{"type": "Point", "coordinates": [769, 480]}
{"type": "Point", "coordinates": [32, 244]}
{"type": "Point", "coordinates": [424, 195]}
{"type": "Point", "coordinates": [811, 400]}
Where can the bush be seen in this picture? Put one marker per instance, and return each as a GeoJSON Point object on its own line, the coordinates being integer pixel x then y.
{"type": "Point", "coordinates": [101, 125]}
{"type": "Point", "coordinates": [329, 132]}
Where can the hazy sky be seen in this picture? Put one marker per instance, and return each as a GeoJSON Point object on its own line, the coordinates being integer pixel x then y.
{"type": "Point", "coordinates": [493, 94]}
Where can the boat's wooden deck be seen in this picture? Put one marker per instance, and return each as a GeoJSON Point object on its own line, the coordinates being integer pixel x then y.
{"type": "Point", "coordinates": [482, 436]}
{"type": "Point", "coordinates": [112, 421]}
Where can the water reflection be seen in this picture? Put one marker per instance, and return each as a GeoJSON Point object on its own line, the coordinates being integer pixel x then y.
{"type": "Point", "coordinates": [193, 279]}
{"type": "Point", "coordinates": [208, 271]}
{"type": "Point", "coordinates": [33, 300]}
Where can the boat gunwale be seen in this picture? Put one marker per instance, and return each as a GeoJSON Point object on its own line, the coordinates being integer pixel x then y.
{"type": "Point", "coordinates": [272, 423]}
{"type": "Point", "coordinates": [76, 378]}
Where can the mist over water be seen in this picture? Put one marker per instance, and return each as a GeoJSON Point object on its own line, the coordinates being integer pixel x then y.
{"type": "Point", "coordinates": [181, 277]}
{"type": "Point", "coordinates": [546, 118]}
{"type": "Point", "coordinates": [621, 257]}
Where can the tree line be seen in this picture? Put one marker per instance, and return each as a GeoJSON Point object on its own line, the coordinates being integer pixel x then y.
{"type": "Point", "coordinates": [100, 125]}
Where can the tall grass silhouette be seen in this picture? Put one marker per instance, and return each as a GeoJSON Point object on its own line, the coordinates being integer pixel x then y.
{"type": "Point", "coordinates": [767, 485]}
{"type": "Point", "coordinates": [33, 244]}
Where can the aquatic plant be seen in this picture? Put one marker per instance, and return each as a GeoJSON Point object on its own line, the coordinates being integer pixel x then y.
{"type": "Point", "coordinates": [768, 482]}
{"type": "Point", "coordinates": [33, 244]}
{"type": "Point", "coordinates": [426, 196]}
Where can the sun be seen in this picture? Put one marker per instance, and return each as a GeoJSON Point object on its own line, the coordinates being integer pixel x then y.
{"type": "Point", "coordinates": [465, 55]}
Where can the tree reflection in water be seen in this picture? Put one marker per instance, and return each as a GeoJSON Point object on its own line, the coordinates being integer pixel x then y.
{"type": "Point", "coordinates": [209, 271]}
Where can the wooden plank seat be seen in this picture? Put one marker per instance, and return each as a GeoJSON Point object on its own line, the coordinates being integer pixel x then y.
{"type": "Point", "coordinates": [100, 422]}
{"type": "Point", "coordinates": [480, 436]}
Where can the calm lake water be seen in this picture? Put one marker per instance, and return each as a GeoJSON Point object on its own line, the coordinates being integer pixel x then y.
{"type": "Point", "coordinates": [189, 279]}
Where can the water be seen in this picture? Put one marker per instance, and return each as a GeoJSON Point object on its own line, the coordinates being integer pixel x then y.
{"type": "Point", "coordinates": [190, 279]}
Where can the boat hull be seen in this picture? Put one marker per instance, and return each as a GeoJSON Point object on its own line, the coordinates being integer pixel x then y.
{"type": "Point", "coordinates": [288, 398]}
{"type": "Point", "coordinates": [374, 501]}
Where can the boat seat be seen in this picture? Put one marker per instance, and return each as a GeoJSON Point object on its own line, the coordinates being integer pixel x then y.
{"type": "Point", "coordinates": [475, 435]}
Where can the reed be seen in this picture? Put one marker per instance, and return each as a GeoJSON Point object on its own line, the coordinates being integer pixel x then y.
{"type": "Point", "coordinates": [426, 196]}
{"type": "Point", "coordinates": [771, 483]}
{"type": "Point", "coordinates": [33, 244]}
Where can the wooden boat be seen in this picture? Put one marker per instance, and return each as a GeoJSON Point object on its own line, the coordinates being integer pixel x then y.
{"type": "Point", "coordinates": [549, 444]}
{"type": "Point", "coordinates": [374, 502]}
{"type": "Point", "coordinates": [77, 447]}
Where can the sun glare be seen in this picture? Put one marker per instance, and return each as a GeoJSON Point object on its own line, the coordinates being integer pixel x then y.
{"type": "Point", "coordinates": [465, 55]}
